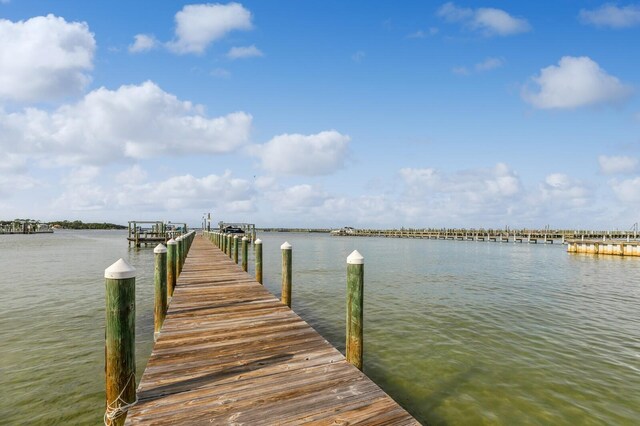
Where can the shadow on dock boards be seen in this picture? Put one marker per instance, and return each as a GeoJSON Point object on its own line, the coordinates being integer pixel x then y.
{"type": "Point", "coordinates": [201, 381]}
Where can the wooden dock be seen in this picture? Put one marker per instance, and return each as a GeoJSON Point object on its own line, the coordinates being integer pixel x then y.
{"type": "Point", "coordinates": [229, 352]}
{"type": "Point", "coordinates": [531, 236]}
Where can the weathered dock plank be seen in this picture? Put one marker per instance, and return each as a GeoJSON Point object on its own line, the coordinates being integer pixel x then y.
{"type": "Point", "coordinates": [229, 352]}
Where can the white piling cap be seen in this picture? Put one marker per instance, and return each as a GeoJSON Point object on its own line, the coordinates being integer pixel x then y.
{"type": "Point", "coordinates": [172, 242]}
{"type": "Point", "coordinates": [235, 236]}
{"type": "Point", "coordinates": [258, 241]}
{"type": "Point", "coordinates": [120, 270]}
{"type": "Point", "coordinates": [286, 246]}
{"type": "Point", "coordinates": [160, 249]}
{"type": "Point", "coordinates": [245, 239]}
{"type": "Point", "coordinates": [355, 258]}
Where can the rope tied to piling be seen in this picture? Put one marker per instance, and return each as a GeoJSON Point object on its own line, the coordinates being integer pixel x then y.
{"type": "Point", "coordinates": [113, 412]}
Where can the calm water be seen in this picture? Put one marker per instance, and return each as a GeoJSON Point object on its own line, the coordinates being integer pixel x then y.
{"type": "Point", "coordinates": [457, 332]}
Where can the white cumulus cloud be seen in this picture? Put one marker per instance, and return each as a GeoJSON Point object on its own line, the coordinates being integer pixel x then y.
{"type": "Point", "coordinates": [136, 121]}
{"type": "Point", "coordinates": [575, 82]}
{"type": "Point", "coordinates": [489, 21]}
{"type": "Point", "coordinates": [297, 198]}
{"type": "Point", "coordinates": [225, 193]}
{"type": "Point", "coordinates": [472, 185]}
{"type": "Point", "coordinates": [610, 165]}
{"type": "Point", "coordinates": [44, 58]}
{"type": "Point", "coordinates": [611, 15]}
{"type": "Point", "coordinates": [244, 52]}
{"type": "Point", "coordinates": [199, 25]}
{"type": "Point", "coordinates": [131, 176]}
{"type": "Point", "coordinates": [143, 43]}
{"type": "Point", "coordinates": [308, 155]}
{"type": "Point", "coordinates": [12, 163]}
{"type": "Point", "coordinates": [12, 184]}
{"type": "Point", "coordinates": [627, 191]}
{"type": "Point", "coordinates": [563, 189]}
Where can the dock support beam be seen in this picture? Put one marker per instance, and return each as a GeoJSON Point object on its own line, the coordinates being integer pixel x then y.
{"type": "Point", "coordinates": [179, 248]}
{"type": "Point", "coordinates": [258, 247]}
{"type": "Point", "coordinates": [286, 273]}
{"type": "Point", "coordinates": [355, 303]}
{"type": "Point", "coordinates": [235, 249]}
{"type": "Point", "coordinates": [120, 365]}
{"type": "Point", "coordinates": [172, 271]}
{"type": "Point", "coordinates": [245, 254]}
{"type": "Point", "coordinates": [160, 281]}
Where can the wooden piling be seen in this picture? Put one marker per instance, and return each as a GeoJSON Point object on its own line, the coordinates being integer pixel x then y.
{"type": "Point", "coordinates": [183, 250]}
{"type": "Point", "coordinates": [258, 253]}
{"type": "Point", "coordinates": [286, 273]}
{"type": "Point", "coordinates": [160, 281]}
{"type": "Point", "coordinates": [355, 300]}
{"type": "Point", "coordinates": [172, 272]}
{"type": "Point", "coordinates": [235, 249]}
{"type": "Point", "coordinates": [245, 254]}
{"type": "Point", "coordinates": [120, 366]}
{"type": "Point", "coordinates": [178, 256]}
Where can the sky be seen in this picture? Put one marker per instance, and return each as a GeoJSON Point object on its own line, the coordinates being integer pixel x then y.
{"type": "Point", "coordinates": [290, 113]}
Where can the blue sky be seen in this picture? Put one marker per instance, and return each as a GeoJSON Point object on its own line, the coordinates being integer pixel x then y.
{"type": "Point", "coordinates": [333, 113]}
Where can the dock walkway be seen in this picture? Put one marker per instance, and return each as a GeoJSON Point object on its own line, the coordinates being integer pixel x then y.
{"type": "Point", "coordinates": [230, 353]}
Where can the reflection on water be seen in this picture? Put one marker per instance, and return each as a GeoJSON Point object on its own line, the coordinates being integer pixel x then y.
{"type": "Point", "coordinates": [457, 332]}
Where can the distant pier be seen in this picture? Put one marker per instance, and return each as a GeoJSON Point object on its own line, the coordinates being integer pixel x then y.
{"type": "Point", "coordinates": [153, 231]}
{"type": "Point", "coordinates": [25, 227]}
{"type": "Point", "coordinates": [529, 236]}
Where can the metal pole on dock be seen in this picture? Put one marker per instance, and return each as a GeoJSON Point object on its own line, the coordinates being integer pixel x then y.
{"type": "Point", "coordinates": [235, 249]}
{"type": "Point", "coordinates": [286, 273]}
{"type": "Point", "coordinates": [172, 271]}
{"type": "Point", "coordinates": [245, 254]}
{"type": "Point", "coordinates": [160, 281]}
{"type": "Point", "coordinates": [258, 246]}
{"type": "Point", "coordinates": [120, 365]}
{"type": "Point", "coordinates": [355, 299]}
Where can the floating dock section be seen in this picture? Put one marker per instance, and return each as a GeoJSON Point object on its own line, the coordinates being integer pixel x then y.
{"type": "Point", "coordinates": [229, 352]}
{"type": "Point", "coordinates": [611, 247]}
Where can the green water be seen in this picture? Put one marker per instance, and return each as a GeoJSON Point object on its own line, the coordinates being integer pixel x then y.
{"type": "Point", "coordinates": [457, 332]}
{"type": "Point", "coordinates": [52, 323]}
